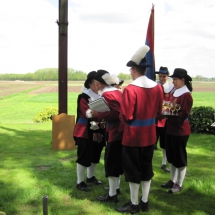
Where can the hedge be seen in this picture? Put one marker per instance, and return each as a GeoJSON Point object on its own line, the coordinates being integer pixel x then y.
{"type": "Point", "coordinates": [201, 118]}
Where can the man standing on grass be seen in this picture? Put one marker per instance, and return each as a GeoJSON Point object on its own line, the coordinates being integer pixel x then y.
{"type": "Point", "coordinates": [142, 102]}
{"type": "Point", "coordinates": [163, 75]}
{"type": "Point", "coordinates": [90, 142]}
{"type": "Point", "coordinates": [113, 150]}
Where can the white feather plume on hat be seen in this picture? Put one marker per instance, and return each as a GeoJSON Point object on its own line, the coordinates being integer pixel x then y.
{"type": "Point", "coordinates": [140, 54]}
{"type": "Point", "coordinates": [110, 79]}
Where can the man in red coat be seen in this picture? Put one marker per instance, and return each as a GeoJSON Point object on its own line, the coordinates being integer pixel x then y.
{"type": "Point", "coordinates": [168, 88]}
{"type": "Point", "coordinates": [90, 142]}
{"type": "Point", "coordinates": [142, 102]}
{"type": "Point", "coordinates": [113, 150]}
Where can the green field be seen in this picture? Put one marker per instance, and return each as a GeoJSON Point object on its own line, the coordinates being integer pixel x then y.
{"type": "Point", "coordinates": [30, 169]}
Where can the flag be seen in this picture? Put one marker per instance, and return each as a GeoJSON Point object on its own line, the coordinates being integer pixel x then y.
{"type": "Point", "coordinates": [150, 42]}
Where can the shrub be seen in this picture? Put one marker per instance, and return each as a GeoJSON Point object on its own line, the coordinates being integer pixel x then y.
{"type": "Point", "coordinates": [46, 114]}
{"type": "Point", "coordinates": [201, 119]}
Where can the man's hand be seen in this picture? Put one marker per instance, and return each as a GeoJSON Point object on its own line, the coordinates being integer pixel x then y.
{"type": "Point", "coordinates": [94, 113]}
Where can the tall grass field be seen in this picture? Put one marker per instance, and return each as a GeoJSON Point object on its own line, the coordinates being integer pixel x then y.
{"type": "Point", "coordinates": [30, 169]}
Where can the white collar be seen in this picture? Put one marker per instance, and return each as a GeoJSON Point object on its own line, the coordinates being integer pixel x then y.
{"type": "Point", "coordinates": [108, 89]}
{"type": "Point", "coordinates": [144, 82]}
{"type": "Point", "coordinates": [167, 87]}
{"type": "Point", "coordinates": [181, 91]}
{"type": "Point", "coordinates": [91, 94]}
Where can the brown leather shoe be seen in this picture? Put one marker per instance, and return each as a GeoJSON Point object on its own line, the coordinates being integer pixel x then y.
{"type": "Point", "coordinates": [94, 180]}
{"type": "Point", "coordinates": [169, 184]}
{"type": "Point", "coordinates": [83, 187]}
{"type": "Point", "coordinates": [129, 208]}
{"type": "Point", "coordinates": [107, 198]}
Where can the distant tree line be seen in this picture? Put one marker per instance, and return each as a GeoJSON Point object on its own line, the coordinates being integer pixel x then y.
{"type": "Point", "coordinates": [201, 78]}
{"type": "Point", "coordinates": [48, 74]}
{"type": "Point", "coordinates": [51, 74]}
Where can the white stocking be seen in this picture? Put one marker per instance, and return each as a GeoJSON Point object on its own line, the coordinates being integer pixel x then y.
{"type": "Point", "coordinates": [91, 170]}
{"type": "Point", "coordinates": [164, 157]}
{"type": "Point", "coordinates": [118, 182]}
{"type": "Point", "coordinates": [174, 173]}
{"type": "Point", "coordinates": [145, 190]}
{"type": "Point", "coordinates": [134, 190]}
{"type": "Point", "coordinates": [112, 185]}
{"type": "Point", "coordinates": [181, 175]}
{"type": "Point", "coordinates": [80, 173]}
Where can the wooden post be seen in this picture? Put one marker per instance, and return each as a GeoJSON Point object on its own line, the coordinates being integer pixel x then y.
{"type": "Point", "coordinates": [45, 205]}
{"type": "Point", "coordinates": [63, 44]}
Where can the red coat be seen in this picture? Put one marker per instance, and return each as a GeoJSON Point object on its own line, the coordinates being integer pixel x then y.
{"type": "Point", "coordinates": [81, 127]}
{"type": "Point", "coordinates": [139, 110]}
{"type": "Point", "coordinates": [114, 126]}
{"type": "Point", "coordinates": [179, 125]}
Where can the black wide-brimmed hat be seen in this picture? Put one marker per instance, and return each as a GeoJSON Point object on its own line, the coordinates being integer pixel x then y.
{"type": "Point", "coordinates": [90, 77]}
{"type": "Point", "coordinates": [181, 73]}
{"type": "Point", "coordinates": [139, 59]}
{"type": "Point", "coordinates": [106, 78]}
{"type": "Point", "coordinates": [99, 75]}
{"type": "Point", "coordinates": [163, 70]}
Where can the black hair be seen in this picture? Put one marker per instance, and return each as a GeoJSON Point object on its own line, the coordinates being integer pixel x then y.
{"type": "Point", "coordinates": [189, 85]}
{"type": "Point", "coordinates": [141, 70]}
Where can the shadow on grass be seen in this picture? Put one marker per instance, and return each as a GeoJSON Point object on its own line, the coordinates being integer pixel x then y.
{"type": "Point", "coordinates": [30, 169]}
{"type": "Point", "coordinates": [178, 203]}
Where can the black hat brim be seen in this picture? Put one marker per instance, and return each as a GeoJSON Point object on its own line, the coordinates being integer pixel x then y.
{"type": "Point", "coordinates": [161, 73]}
{"type": "Point", "coordinates": [133, 64]}
{"type": "Point", "coordinates": [187, 77]}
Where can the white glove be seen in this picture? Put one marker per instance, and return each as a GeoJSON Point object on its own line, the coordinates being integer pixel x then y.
{"type": "Point", "coordinates": [88, 113]}
{"type": "Point", "coordinates": [94, 125]}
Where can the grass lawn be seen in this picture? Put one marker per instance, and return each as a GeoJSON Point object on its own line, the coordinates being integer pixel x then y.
{"type": "Point", "coordinates": [30, 169]}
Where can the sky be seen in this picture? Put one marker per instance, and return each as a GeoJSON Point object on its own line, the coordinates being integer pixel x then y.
{"type": "Point", "coordinates": [104, 34]}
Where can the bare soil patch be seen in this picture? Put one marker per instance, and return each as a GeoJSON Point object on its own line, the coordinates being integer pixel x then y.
{"type": "Point", "coordinates": [43, 167]}
{"type": "Point", "coordinates": [54, 89]}
{"type": "Point", "coordinates": [37, 87]}
{"type": "Point", "coordinates": [11, 87]}
{"type": "Point", "coordinates": [199, 89]}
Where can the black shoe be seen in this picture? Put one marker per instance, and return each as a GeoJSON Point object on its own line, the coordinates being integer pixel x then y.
{"type": "Point", "coordinates": [94, 180]}
{"type": "Point", "coordinates": [144, 206]}
{"type": "Point", "coordinates": [107, 198]}
{"type": "Point", "coordinates": [117, 190]}
{"type": "Point", "coordinates": [164, 168]}
{"type": "Point", "coordinates": [129, 208]}
{"type": "Point", "coordinates": [83, 187]}
{"type": "Point", "coordinates": [169, 184]}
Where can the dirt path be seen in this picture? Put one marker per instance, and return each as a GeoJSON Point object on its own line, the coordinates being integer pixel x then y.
{"type": "Point", "coordinates": [10, 87]}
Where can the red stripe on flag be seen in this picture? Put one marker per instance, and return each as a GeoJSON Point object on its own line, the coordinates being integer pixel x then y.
{"type": "Point", "coordinates": [150, 42]}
